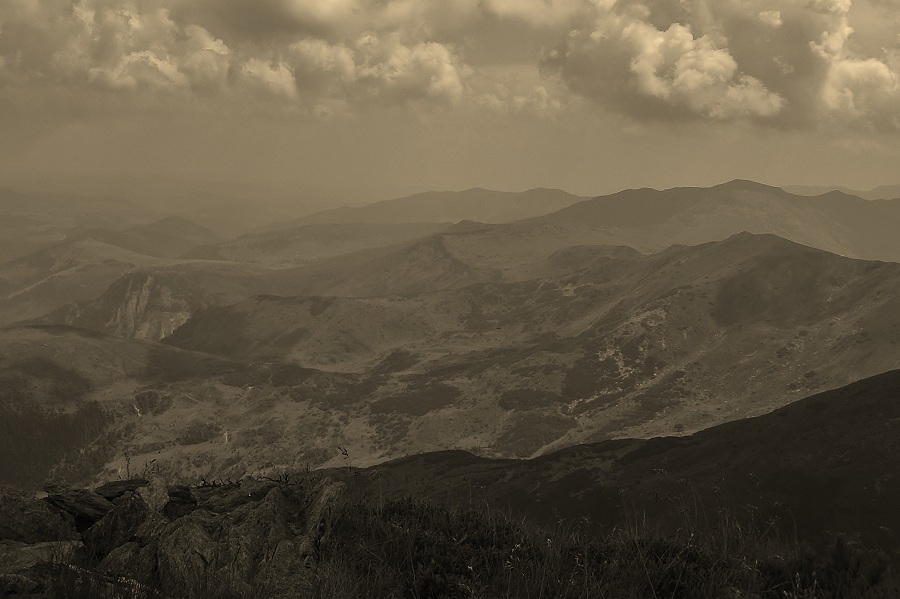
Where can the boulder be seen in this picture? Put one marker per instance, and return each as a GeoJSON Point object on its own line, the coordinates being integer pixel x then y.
{"type": "Point", "coordinates": [118, 488]}
{"type": "Point", "coordinates": [29, 520]}
{"type": "Point", "coordinates": [85, 506]}
{"type": "Point", "coordinates": [18, 557]}
{"type": "Point", "coordinates": [26, 569]}
{"type": "Point", "coordinates": [249, 549]}
{"type": "Point", "coordinates": [124, 523]}
{"type": "Point", "coordinates": [181, 502]}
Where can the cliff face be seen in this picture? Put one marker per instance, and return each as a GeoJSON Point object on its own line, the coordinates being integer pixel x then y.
{"type": "Point", "coordinates": [140, 305]}
{"type": "Point", "coordinates": [151, 310]}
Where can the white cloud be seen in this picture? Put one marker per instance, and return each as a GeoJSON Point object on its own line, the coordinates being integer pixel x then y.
{"type": "Point", "coordinates": [792, 63]}
{"type": "Point", "coordinates": [668, 72]}
{"type": "Point", "coordinates": [788, 62]}
{"type": "Point", "coordinates": [772, 18]}
{"type": "Point", "coordinates": [206, 59]}
{"type": "Point", "coordinates": [275, 78]}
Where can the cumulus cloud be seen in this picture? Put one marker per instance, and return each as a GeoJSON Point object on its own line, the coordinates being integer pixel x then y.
{"type": "Point", "coordinates": [289, 51]}
{"type": "Point", "coordinates": [790, 63]}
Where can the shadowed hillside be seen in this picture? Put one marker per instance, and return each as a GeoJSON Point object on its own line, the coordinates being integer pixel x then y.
{"type": "Point", "coordinates": [819, 466]}
{"type": "Point", "coordinates": [749, 509]}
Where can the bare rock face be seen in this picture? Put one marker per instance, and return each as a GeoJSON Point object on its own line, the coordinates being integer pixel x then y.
{"type": "Point", "coordinates": [85, 506]}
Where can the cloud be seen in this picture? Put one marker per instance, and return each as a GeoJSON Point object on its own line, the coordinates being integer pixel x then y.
{"type": "Point", "coordinates": [772, 18]}
{"type": "Point", "coordinates": [311, 54]}
{"type": "Point", "coordinates": [789, 63]}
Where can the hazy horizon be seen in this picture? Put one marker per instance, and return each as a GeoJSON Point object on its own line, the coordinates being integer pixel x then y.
{"type": "Point", "coordinates": [353, 101]}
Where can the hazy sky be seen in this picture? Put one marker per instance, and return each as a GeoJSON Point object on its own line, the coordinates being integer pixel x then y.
{"type": "Point", "coordinates": [379, 97]}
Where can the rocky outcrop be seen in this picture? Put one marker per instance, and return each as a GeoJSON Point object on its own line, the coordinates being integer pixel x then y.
{"type": "Point", "coordinates": [86, 507]}
{"type": "Point", "coordinates": [25, 519]}
{"type": "Point", "coordinates": [119, 488]}
{"type": "Point", "coordinates": [255, 538]}
{"type": "Point", "coordinates": [140, 305]}
{"type": "Point", "coordinates": [149, 310]}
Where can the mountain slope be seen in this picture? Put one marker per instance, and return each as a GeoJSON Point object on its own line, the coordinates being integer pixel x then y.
{"type": "Point", "coordinates": [625, 346]}
{"type": "Point", "coordinates": [83, 263]}
{"type": "Point", "coordinates": [167, 238]}
{"type": "Point", "coordinates": [822, 465]}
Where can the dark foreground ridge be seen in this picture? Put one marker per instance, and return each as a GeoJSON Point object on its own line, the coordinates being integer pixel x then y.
{"type": "Point", "coordinates": [799, 503]}
{"type": "Point", "coordinates": [320, 534]}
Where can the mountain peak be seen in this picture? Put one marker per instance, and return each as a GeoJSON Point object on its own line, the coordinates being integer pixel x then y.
{"type": "Point", "coordinates": [747, 185]}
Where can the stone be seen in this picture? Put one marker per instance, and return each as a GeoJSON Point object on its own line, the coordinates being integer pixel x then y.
{"type": "Point", "coordinates": [17, 557]}
{"type": "Point", "coordinates": [118, 488]}
{"type": "Point", "coordinates": [181, 502]}
{"type": "Point", "coordinates": [29, 520]}
{"type": "Point", "coordinates": [117, 527]}
{"type": "Point", "coordinates": [85, 506]}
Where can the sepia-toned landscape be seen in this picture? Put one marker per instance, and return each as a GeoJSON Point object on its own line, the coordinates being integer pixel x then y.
{"type": "Point", "coordinates": [567, 298]}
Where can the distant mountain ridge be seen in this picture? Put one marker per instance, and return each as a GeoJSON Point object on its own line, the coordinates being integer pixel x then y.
{"type": "Point", "coordinates": [882, 192]}
{"type": "Point", "coordinates": [650, 220]}
{"type": "Point", "coordinates": [477, 204]}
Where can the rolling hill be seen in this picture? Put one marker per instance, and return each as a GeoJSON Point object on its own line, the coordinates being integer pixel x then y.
{"type": "Point", "coordinates": [650, 220]}
{"type": "Point", "coordinates": [618, 344]}
{"type": "Point", "coordinates": [521, 338]}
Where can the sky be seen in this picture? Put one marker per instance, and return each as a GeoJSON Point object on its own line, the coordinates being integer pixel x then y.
{"type": "Point", "coordinates": [366, 99]}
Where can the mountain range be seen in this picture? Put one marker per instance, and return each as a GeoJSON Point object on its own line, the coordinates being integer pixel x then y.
{"type": "Point", "coordinates": [541, 326]}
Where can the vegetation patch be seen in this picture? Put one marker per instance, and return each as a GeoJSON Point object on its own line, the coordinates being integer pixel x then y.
{"type": "Point", "coordinates": [40, 379]}
{"type": "Point", "coordinates": [33, 440]}
{"type": "Point", "coordinates": [529, 431]}
{"type": "Point", "coordinates": [199, 431]}
{"type": "Point", "coordinates": [417, 402]}
{"type": "Point", "coordinates": [151, 401]}
{"type": "Point", "coordinates": [527, 399]}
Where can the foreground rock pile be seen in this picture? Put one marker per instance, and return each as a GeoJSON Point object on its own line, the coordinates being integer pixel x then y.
{"type": "Point", "coordinates": [251, 538]}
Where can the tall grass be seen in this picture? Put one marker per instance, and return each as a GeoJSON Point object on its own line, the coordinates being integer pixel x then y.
{"type": "Point", "coordinates": [372, 548]}
{"type": "Point", "coordinates": [412, 548]}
